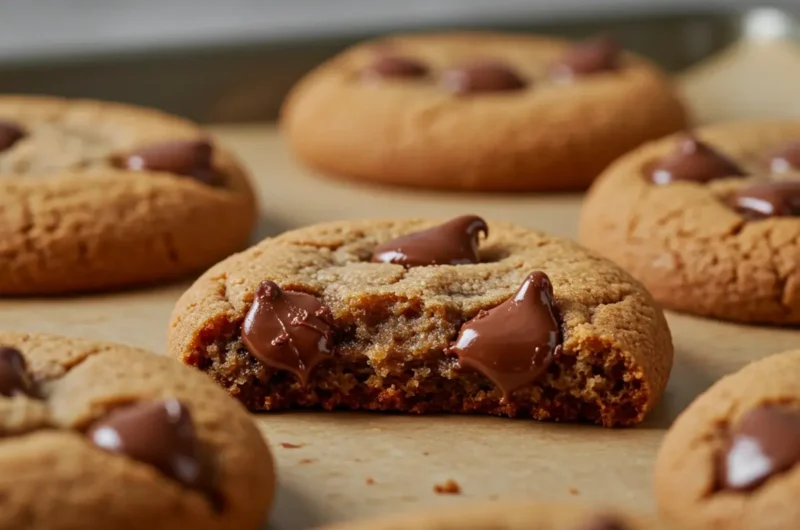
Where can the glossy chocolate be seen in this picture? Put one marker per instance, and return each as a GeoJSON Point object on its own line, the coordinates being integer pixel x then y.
{"type": "Point", "coordinates": [787, 158]}
{"type": "Point", "coordinates": [14, 378]}
{"type": "Point", "coordinates": [766, 442]}
{"type": "Point", "coordinates": [288, 330]}
{"type": "Point", "coordinates": [394, 67]}
{"type": "Point", "coordinates": [452, 243]}
{"type": "Point", "coordinates": [593, 56]}
{"type": "Point", "coordinates": [158, 433]}
{"type": "Point", "coordinates": [693, 161]}
{"type": "Point", "coordinates": [513, 343]}
{"type": "Point", "coordinates": [191, 158]}
{"type": "Point", "coordinates": [482, 76]}
{"type": "Point", "coordinates": [10, 133]}
{"type": "Point", "coordinates": [768, 199]}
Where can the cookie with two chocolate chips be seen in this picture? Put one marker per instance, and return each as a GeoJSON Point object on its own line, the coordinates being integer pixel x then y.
{"type": "Point", "coordinates": [478, 111]}
{"type": "Point", "coordinates": [97, 196]}
{"type": "Point", "coordinates": [514, 515]}
{"type": "Point", "coordinates": [422, 316]}
{"type": "Point", "coordinates": [732, 459]}
{"type": "Point", "coordinates": [102, 435]}
{"type": "Point", "coordinates": [709, 221]}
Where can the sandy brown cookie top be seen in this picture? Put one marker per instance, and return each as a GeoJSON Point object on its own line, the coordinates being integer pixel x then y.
{"type": "Point", "coordinates": [50, 138]}
{"type": "Point", "coordinates": [197, 462]}
{"type": "Point", "coordinates": [746, 265]}
{"type": "Point", "coordinates": [731, 458]}
{"type": "Point", "coordinates": [395, 315]}
{"type": "Point", "coordinates": [513, 515]}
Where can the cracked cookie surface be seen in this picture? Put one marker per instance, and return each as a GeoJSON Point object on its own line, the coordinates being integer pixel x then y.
{"type": "Point", "coordinates": [392, 326]}
{"type": "Point", "coordinates": [690, 480]}
{"type": "Point", "coordinates": [688, 244]}
{"type": "Point", "coordinates": [541, 134]}
{"type": "Point", "coordinates": [73, 217]}
{"type": "Point", "coordinates": [514, 515]}
{"type": "Point", "coordinates": [54, 478]}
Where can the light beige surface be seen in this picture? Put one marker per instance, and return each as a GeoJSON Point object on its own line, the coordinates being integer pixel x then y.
{"type": "Point", "coordinates": [327, 478]}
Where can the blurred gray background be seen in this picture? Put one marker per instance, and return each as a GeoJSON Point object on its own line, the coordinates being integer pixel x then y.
{"type": "Point", "coordinates": [233, 60]}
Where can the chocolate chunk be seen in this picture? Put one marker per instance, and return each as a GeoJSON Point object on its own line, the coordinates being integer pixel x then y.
{"type": "Point", "coordinates": [604, 522]}
{"type": "Point", "coordinates": [768, 199]}
{"type": "Point", "coordinates": [394, 66]}
{"type": "Point", "coordinates": [288, 330]}
{"type": "Point", "coordinates": [513, 343]}
{"type": "Point", "coordinates": [191, 158]}
{"type": "Point", "coordinates": [452, 243]}
{"type": "Point", "coordinates": [14, 378]}
{"type": "Point", "coordinates": [589, 57]}
{"type": "Point", "coordinates": [158, 433]}
{"type": "Point", "coordinates": [482, 76]}
{"type": "Point", "coordinates": [693, 161]}
{"type": "Point", "coordinates": [787, 158]}
{"type": "Point", "coordinates": [10, 133]}
{"type": "Point", "coordinates": [766, 442]}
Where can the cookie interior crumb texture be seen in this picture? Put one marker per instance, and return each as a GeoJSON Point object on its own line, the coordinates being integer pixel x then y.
{"type": "Point", "coordinates": [74, 217]}
{"type": "Point", "coordinates": [393, 326]}
{"type": "Point", "coordinates": [54, 478]}
{"type": "Point", "coordinates": [547, 133]}
{"type": "Point", "coordinates": [686, 240]}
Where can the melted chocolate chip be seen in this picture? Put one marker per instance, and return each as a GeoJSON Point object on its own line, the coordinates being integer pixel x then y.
{"type": "Point", "coordinates": [589, 57]}
{"type": "Point", "coordinates": [394, 66]}
{"type": "Point", "coordinates": [513, 343]}
{"type": "Point", "coordinates": [10, 133]}
{"type": "Point", "coordinates": [158, 433]}
{"type": "Point", "coordinates": [288, 330]}
{"type": "Point", "coordinates": [693, 161]}
{"type": "Point", "coordinates": [604, 522]}
{"type": "Point", "coordinates": [766, 442]}
{"type": "Point", "coordinates": [452, 243]}
{"type": "Point", "coordinates": [787, 158]}
{"type": "Point", "coordinates": [191, 158]}
{"type": "Point", "coordinates": [768, 199]}
{"type": "Point", "coordinates": [14, 378]}
{"type": "Point", "coordinates": [482, 76]}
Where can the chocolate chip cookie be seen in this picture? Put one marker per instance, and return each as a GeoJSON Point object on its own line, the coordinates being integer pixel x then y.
{"type": "Point", "coordinates": [97, 196]}
{"type": "Point", "coordinates": [516, 515]}
{"type": "Point", "coordinates": [730, 460]}
{"type": "Point", "coordinates": [423, 316]}
{"type": "Point", "coordinates": [707, 220]}
{"type": "Point", "coordinates": [478, 111]}
{"type": "Point", "coordinates": [107, 436]}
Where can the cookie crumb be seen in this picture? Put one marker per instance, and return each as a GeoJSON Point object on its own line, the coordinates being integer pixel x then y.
{"type": "Point", "coordinates": [493, 497]}
{"type": "Point", "coordinates": [450, 487]}
{"type": "Point", "coordinates": [425, 453]}
{"type": "Point", "coordinates": [370, 481]}
{"type": "Point", "coordinates": [573, 491]}
{"type": "Point", "coordinates": [306, 461]}
{"type": "Point", "coordinates": [287, 445]}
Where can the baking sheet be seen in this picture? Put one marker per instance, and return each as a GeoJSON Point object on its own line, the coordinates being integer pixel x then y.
{"type": "Point", "coordinates": [351, 465]}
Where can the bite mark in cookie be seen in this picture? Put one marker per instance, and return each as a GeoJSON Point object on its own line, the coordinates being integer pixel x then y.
{"type": "Point", "coordinates": [393, 329]}
{"type": "Point", "coordinates": [452, 243]}
{"type": "Point", "coordinates": [514, 343]}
